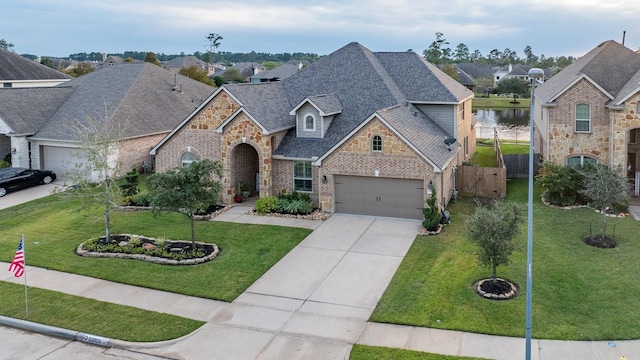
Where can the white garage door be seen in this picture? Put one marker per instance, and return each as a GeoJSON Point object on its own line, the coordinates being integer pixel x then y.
{"type": "Point", "coordinates": [378, 196]}
{"type": "Point", "coordinates": [61, 160]}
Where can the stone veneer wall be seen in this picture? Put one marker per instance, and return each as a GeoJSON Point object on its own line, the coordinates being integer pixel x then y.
{"type": "Point", "coordinates": [624, 121]}
{"type": "Point", "coordinates": [564, 142]}
{"type": "Point", "coordinates": [199, 134]}
{"type": "Point", "coordinates": [355, 158]}
{"type": "Point", "coordinates": [243, 131]}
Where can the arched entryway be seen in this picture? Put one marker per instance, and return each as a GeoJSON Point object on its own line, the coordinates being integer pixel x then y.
{"type": "Point", "coordinates": [244, 170]}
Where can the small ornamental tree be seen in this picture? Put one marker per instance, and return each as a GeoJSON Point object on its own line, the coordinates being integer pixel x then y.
{"type": "Point", "coordinates": [98, 140]}
{"type": "Point", "coordinates": [190, 189]}
{"type": "Point", "coordinates": [604, 187]}
{"type": "Point", "coordinates": [494, 229]}
{"type": "Point", "coordinates": [431, 213]}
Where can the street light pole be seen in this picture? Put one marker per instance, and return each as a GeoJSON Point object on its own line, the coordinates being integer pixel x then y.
{"type": "Point", "coordinates": [534, 74]}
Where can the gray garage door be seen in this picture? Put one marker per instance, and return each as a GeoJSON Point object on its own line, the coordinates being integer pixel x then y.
{"type": "Point", "coordinates": [379, 196]}
{"type": "Point", "coordinates": [60, 159]}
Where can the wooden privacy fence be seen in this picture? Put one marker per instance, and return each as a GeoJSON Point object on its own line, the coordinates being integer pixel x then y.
{"type": "Point", "coordinates": [518, 165]}
{"type": "Point", "coordinates": [482, 181]}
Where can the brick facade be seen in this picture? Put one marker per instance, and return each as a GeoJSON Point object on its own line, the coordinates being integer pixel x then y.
{"type": "Point", "coordinates": [134, 151]}
{"type": "Point", "coordinates": [356, 158]}
{"type": "Point", "coordinates": [606, 145]}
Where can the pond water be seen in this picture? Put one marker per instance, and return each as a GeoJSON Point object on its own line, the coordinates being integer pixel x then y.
{"type": "Point", "coordinates": [512, 124]}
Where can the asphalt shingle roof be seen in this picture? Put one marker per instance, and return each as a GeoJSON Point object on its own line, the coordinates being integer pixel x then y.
{"type": "Point", "coordinates": [25, 110]}
{"type": "Point", "coordinates": [610, 65]}
{"type": "Point", "coordinates": [139, 94]}
{"type": "Point", "coordinates": [16, 67]}
{"type": "Point", "coordinates": [266, 103]}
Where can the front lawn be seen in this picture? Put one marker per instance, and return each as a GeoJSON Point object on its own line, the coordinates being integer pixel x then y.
{"type": "Point", "coordinates": [579, 292]}
{"type": "Point", "coordinates": [91, 316]}
{"type": "Point", "coordinates": [53, 227]}
{"type": "Point", "coordinates": [363, 352]}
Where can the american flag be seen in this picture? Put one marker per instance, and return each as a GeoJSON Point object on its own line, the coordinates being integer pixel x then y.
{"type": "Point", "coordinates": [17, 265]}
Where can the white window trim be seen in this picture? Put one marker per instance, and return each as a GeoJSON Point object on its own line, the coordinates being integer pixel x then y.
{"type": "Point", "coordinates": [584, 120]}
{"type": "Point", "coordinates": [381, 143]}
{"type": "Point", "coordinates": [310, 178]}
{"type": "Point", "coordinates": [582, 157]}
{"type": "Point", "coordinates": [304, 122]}
{"type": "Point", "coordinates": [184, 162]}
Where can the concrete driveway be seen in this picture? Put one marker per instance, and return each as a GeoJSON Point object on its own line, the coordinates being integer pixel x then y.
{"type": "Point", "coordinates": [28, 194]}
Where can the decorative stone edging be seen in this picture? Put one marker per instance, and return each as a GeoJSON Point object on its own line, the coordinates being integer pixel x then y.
{"type": "Point", "coordinates": [153, 259]}
{"type": "Point", "coordinates": [424, 232]}
{"type": "Point", "coordinates": [570, 207]}
{"type": "Point", "coordinates": [510, 295]}
{"type": "Point", "coordinates": [316, 215]}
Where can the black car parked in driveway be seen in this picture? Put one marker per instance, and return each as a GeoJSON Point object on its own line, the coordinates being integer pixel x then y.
{"type": "Point", "coordinates": [19, 178]}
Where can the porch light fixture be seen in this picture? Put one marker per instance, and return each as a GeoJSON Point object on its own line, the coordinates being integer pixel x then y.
{"type": "Point", "coordinates": [13, 151]}
{"type": "Point", "coordinates": [324, 179]}
{"type": "Point", "coordinates": [534, 74]}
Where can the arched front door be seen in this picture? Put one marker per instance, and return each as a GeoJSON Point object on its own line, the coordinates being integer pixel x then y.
{"type": "Point", "coordinates": [244, 172]}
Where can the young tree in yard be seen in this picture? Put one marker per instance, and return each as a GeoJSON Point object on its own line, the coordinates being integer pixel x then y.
{"type": "Point", "coordinates": [189, 189]}
{"type": "Point", "coordinates": [494, 229]}
{"type": "Point", "coordinates": [99, 138]}
{"type": "Point", "coordinates": [605, 187]}
{"type": "Point", "coordinates": [514, 86]}
{"type": "Point", "coordinates": [196, 73]}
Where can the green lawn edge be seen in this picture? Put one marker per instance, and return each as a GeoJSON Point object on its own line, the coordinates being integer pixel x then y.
{"type": "Point", "coordinates": [579, 292]}
{"type": "Point", "coordinates": [365, 352]}
{"type": "Point", "coordinates": [92, 316]}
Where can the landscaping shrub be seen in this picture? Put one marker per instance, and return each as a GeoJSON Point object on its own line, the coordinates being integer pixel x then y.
{"type": "Point", "coordinates": [141, 199]}
{"type": "Point", "coordinates": [294, 203]}
{"type": "Point", "coordinates": [562, 184]}
{"type": "Point", "coordinates": [431, 213]}
{"type": "Point", "coordinates": [266, 204]}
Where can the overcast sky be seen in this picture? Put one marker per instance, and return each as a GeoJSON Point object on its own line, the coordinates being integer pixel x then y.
{"type": "Point", "coordinates": [551, 28]}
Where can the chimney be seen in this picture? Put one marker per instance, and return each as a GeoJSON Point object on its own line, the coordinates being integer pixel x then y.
{"type": "Point", "coordinates": [104, 57]}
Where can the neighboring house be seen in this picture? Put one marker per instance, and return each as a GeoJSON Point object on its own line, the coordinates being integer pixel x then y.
{"type": "Point", "coordinates": [18, 71]}
{"type": "Point", "coordinates": [465, 79]}
{"type": "Point", "coordinates": [361, 132]}
{"type": "Point", "coordinates": [176, 64]}
{"type": "Point", "coordinates": [149, 100]}
{"type": "Point", "coordinates": [246, 69]}
{"type": "Point", "coordinates": [279, 73]}
{"type": "Point", "coordinates": [519, 71]}
{"type": "Point", "coordinates": [590, 111]}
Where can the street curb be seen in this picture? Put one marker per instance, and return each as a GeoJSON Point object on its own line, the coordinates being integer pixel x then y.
{"type": "Point", "coordinates": [56, 331]}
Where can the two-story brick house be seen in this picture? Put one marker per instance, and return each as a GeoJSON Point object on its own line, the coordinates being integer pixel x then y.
{"type": "Point", "coordinates": [589, 112]}
{"type": "Point", "coordinates": [362, 132]}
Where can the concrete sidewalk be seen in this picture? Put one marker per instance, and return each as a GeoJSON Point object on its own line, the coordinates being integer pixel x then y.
{"type": "Point", "coordinates": [313, 304]}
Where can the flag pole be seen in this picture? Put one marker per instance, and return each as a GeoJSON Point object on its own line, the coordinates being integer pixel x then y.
{"type": "Point", "coordinates": [26, 296]}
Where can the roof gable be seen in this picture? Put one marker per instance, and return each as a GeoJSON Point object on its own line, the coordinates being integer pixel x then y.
{"type": "Point", "coordinates": [325, 104]}
{"type": "Point", "coordinates": [610, 65]}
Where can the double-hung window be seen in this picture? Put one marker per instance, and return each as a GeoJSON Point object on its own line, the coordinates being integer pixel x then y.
{"type": "Point", "coordinates": [583, 118]}
{"type": "Point", "coordinates": [302, 176]}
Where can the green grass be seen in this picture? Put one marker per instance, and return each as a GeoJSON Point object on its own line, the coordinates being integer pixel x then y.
{"type": "Point", "coordinates": [53, 227]}
{"type": "Point", "coordinates": [92, 316]}
{"type": "Point", "coordinates": [500, 102]}
{"type": "Point", "coordinates": [579, 292]}
{"type": "Point", "coordinates": [363, 352]}
{"type": "Point", "coordinates": [486, 157]}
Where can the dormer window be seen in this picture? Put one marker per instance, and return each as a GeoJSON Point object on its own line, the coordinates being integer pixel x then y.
{"type": "Point", "coordinates": [309, 122]}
